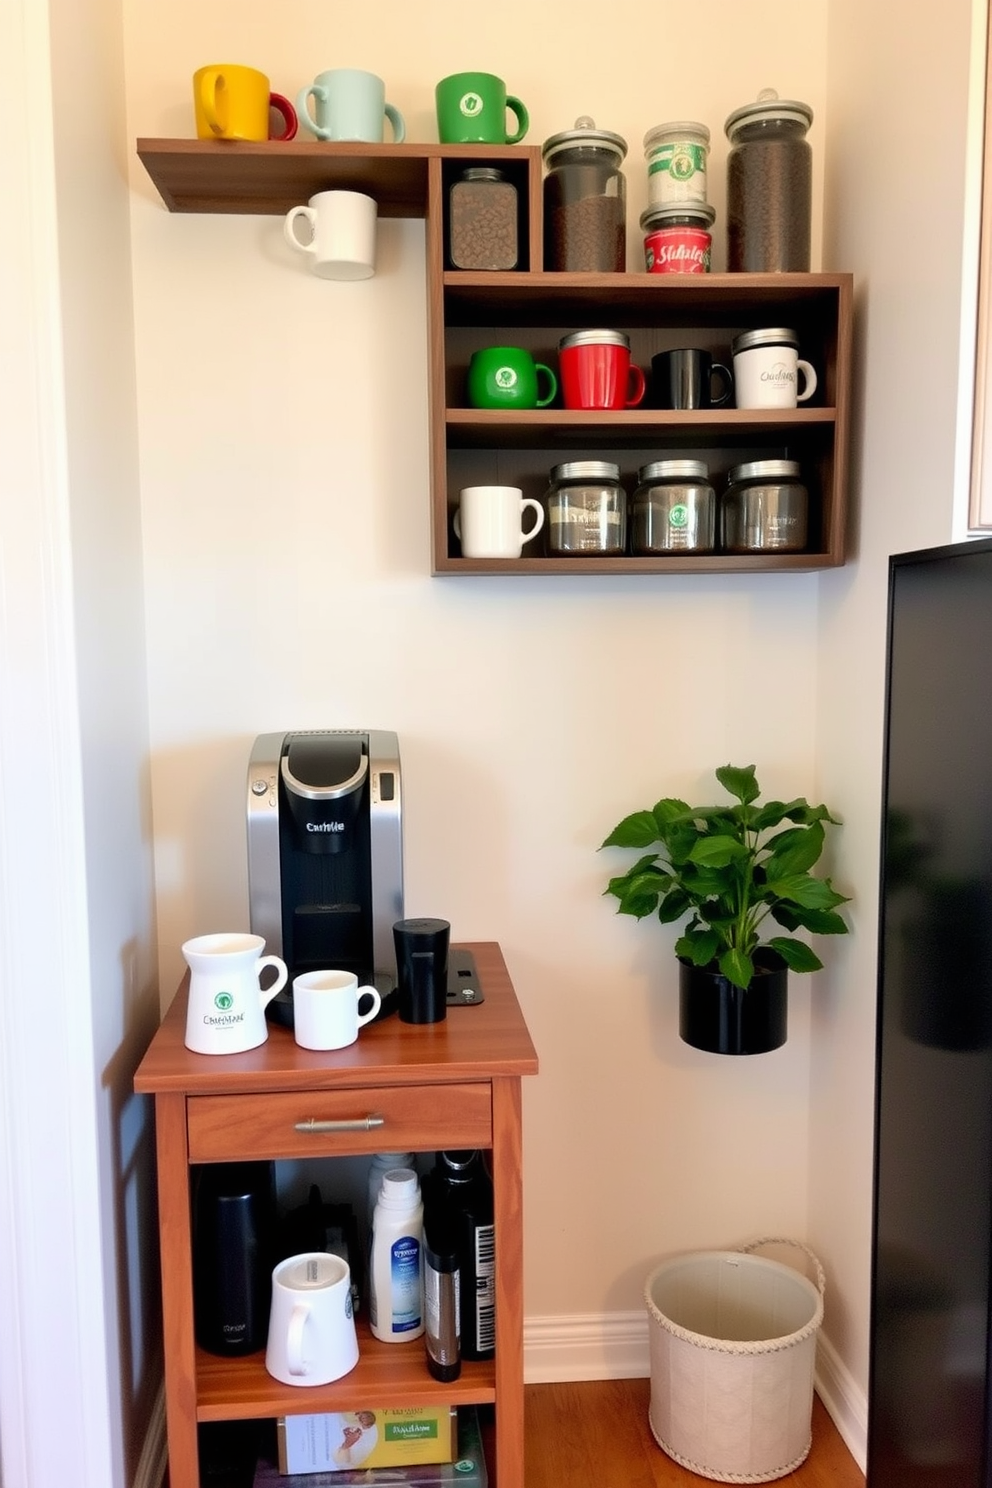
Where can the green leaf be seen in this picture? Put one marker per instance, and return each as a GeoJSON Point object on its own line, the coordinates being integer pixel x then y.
{"type": "Point", "coordinates": [674, 906]}
{"type": "Point", "coordinates": [669, 811]}
{"type": "Point", "coordinates": [806, 891]}
{"type": "Point", "coordinates": [771, 814]}
{"type": "Point", "coordinates": [717, 852]}
{"type": "Point", "coordinates": [794, 851]}
{"type": "Point", "coordinates": [739, 781]}
{"type": "Point", "coordinates": [796, 954]}
{"type": "Point", "coordinates": [737, 967]}
{"type": "Point", "coordinates": [638, 830]}
{"type": "Point", "coordinates": [698, 946]}
{"type": "Point", "coordinates": [638, 905]}
{"type": "Point", "coordinates": [819, 921]}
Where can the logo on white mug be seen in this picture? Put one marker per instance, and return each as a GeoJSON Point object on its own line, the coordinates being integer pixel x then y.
{"type": "Point", "coordinates": [223, 1001]}
{"type": "Point", "coordinates": [778, 374]}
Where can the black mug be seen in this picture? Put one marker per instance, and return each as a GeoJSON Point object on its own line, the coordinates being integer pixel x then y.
{"type": "Point", "coordinates": [684, 379]}
{"type": "Point", "coordinates": [422, 969]}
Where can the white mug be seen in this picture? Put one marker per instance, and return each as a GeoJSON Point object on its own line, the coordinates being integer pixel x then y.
{"type": "Point", "coordinates": [766, 370]}
{"type": "Point", "coordinates": [312, 1338]}
{"type": "Point", "coordinates": [226, 1009]}
{"type": "Point", "coordinates": [340, 234]}
{"type": "Point", "coordinates": [489, 521]}
{"type": "Point", "coordinates": [325, 1009]}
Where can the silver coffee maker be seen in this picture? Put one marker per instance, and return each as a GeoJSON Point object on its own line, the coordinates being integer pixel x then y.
{"type": "Point", "coordinates": [325, 854]}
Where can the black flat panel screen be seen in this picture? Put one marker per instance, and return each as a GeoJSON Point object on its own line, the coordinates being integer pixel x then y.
{"type": "Point", "coordinates": [932, 1239]}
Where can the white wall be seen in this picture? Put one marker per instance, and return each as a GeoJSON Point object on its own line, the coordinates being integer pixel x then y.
{"type": "Point", "coordinates": [79, 1357]}
{"type": "Point", "coordinates": [285, 508]}
{"type": "Point", "coordinates": [912, 269]}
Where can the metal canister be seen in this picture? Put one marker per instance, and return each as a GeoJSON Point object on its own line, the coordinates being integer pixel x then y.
{"type": "Point", "coordinates": [676, 157]}
{"type": "Point", "coordinates": [765, 508]}
{"type": "Point", "coordinates": [587, 508]}
{"type": "Point", "coordinates": [677, 238]}
{"type": "Point", "coordinates": [674, 508]}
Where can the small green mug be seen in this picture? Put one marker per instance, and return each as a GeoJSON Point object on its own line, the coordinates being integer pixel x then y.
{"type": "Point", "coordinates": [471, 109]}
{"type": "Point", "coordinates": [509, 377]}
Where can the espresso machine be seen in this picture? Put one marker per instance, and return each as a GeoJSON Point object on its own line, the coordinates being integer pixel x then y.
{"type": "Point", "coordinates": [325, 855]}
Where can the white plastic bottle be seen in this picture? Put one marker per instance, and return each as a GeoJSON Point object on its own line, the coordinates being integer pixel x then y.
{"type": "Point", "coordinates": [396, 1273]}
{"type": "Point", "coordinates": [380, 1164]}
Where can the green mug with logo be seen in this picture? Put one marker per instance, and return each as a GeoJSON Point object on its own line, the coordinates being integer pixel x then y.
{"type": "Point", "coordinates": [509, 377]}
{"type": "Point", "coordinates": [471, 109]}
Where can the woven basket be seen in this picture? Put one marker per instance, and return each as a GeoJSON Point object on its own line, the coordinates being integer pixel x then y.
{"type": "Point", "coordinates": [733, 1345]}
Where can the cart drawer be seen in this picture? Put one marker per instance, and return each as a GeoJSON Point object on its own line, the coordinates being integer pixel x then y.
{"type": "Point", "coordinates": [407, 1118]}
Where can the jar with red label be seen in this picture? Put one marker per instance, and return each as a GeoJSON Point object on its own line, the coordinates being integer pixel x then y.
{"type": "Point", "coordinates": [677, 238]}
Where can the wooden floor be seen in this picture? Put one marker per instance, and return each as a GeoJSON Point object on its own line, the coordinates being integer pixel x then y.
{"type": "Point", "coordinates": [596, 1435]}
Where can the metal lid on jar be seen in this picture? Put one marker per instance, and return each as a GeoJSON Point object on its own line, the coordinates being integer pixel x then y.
{"type": "Point", "coordinates": [592, 470]}
{"type": "Point", "coordinates": [585, 135]}
{"type": "Point", "coordinates": [769, 109]}
{"type": "Point", "coordinates": [689, 470]}
{"type": "Point", "coordinates": [482, 173]}
{"type": "Point", "coordinates": [770, 470]}
{"type": "Point", "coordinates": [680, 129]}
{"type": "Point", "coordinates": [772, 336]}
{"type": "Point", "coordinates": [678, 214]}
{"type": "Point", "coordinates": [594, 338]}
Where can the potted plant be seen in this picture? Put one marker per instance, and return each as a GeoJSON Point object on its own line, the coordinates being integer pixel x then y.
{"type": "Point", "coordinates": [730, 869]}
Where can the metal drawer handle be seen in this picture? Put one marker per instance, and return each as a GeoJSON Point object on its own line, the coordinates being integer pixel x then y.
{"type": "Point", "coordinates": [354, 1123]}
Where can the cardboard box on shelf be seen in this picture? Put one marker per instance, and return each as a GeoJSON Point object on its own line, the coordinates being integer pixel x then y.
{"type": "Point", "coordinates": [386, 1437]}
{"type": "Point", "coordinates": [467, 1469]}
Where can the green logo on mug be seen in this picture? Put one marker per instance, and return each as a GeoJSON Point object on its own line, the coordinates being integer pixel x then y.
{"type": "Point", "coordinates": [470, 105]}
{"type": "Point", "coordinates": [505, 378]}
{"type": "Point", "coordinates": [223, 1001]}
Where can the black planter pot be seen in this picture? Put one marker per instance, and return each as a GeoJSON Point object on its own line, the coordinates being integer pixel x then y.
{"type": "Point", "coordinates": [720, 1018]}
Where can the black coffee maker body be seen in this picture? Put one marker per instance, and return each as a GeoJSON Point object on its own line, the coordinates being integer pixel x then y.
{"type": "Point", "coordinates": [325, 854]}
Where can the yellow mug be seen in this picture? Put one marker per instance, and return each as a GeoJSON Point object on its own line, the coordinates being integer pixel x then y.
{"type": "Point", "coordinates": [233, 102]}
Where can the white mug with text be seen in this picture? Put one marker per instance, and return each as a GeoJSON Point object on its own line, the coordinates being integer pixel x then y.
{"type": "Point", "coordinates": [767, 368]}
{"type": "Point", "coordinates": [225, 1013]}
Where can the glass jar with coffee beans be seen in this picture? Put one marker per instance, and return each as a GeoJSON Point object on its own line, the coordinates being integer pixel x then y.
{"type": "Point", "coordinates": [769, 186]}
{"type": "Point", "coordinates": [483, 230]}
{"type": "Point", "coordinates": [587, 509]}
{"type": "Point", "coordinates": [585, 200]}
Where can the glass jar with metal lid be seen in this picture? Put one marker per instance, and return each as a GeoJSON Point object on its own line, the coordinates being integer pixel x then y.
{"type": "Point", "coordinates": [587, 508]}
{"type": "Point", "coordinates": [676, 156]}
{"type": "Point", "coordinates": [769, 186]}
{"type": "Point", "coordinates": [673, 508]}
{"type": "Point", "coordinates": [765, 508]}
{"type": "Point", "coordinates": [482, 220]}
{"type": "Point", "coordinates": [585, 200]}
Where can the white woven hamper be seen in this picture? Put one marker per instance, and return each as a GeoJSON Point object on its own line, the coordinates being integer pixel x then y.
{"type": "Point", "coordinates": [733, 1345]}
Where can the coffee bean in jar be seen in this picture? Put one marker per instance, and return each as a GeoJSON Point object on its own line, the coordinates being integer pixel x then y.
{"type": "Point", "coordinates": [674, 508]}
{"type": "Point", "coordinates": [585, 200]}
{"type": "Point", "coordinates": [482, 221]}
{"type": "Point", "coordinates": [769, 186]}
{"type": "Point", "coordinates": [765, 508]}
{"type": "Point", "coordinates": [587, 509]}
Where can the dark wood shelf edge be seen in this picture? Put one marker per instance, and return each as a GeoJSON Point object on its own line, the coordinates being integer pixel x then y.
{"type": "Point", "coordinates": [710, 563]}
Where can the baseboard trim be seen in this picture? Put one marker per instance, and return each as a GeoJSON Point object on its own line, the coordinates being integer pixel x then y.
{"type": "Point", "coordinates": [591, 1346]}
{"type": "Point", "coordinates": [844, 1399]}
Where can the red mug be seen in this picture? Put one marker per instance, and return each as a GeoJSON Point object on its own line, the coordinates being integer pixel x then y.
{"type": "Point", "coordinates": [596, 371]}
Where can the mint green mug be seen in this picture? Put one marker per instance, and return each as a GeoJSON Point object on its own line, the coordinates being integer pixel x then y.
{"type": "Point", "coordinates": [509, 377]}
{"type": "Point", "coordinates": [471, 109]}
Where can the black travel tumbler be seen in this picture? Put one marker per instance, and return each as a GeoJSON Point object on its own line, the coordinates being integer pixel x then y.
{"type": "Point", "coordinates": [422, 969]}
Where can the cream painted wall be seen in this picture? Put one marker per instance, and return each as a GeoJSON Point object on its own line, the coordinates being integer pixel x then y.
{"type": "Point", "coordinates": [912, 300]}
{"type": "Point", "coordinates": [284, 487]}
